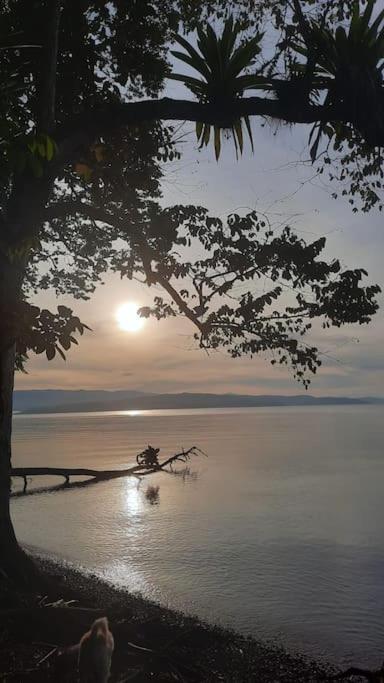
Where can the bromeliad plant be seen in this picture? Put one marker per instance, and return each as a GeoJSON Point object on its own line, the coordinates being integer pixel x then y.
{"type": "Point", "coordinates": [349, 65]}
{"type": "Point", "coordinates": [221, 63]}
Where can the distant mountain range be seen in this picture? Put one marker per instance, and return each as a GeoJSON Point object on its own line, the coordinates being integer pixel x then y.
{"type": "Point", "coordinates": [63, 401]}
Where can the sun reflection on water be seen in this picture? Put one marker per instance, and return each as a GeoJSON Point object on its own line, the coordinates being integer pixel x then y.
{"type": "Point", "coordinates": [124, 573]}
{"type": "Point", "coordinates": [133, 499]}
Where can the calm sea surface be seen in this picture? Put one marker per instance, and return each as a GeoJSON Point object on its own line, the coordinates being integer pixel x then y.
{"type": "Point", "coordinates": [279, 533]}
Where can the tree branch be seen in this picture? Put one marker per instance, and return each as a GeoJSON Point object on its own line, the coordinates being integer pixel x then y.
{"type": "Point", "coordinates": [174, 294]}
{"type": "Point", "coordinates": [72, 208]}
{"type": "Point", "coordinates": [86, 127]}
{"type": "Point", "coordinates": [47, 99]}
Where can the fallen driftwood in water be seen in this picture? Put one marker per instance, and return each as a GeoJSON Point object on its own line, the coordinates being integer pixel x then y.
{"type": "Point", "coordinates": [148, 460]}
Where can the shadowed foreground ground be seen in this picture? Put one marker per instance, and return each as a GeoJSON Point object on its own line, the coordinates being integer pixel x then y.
{"type": "Point", "coordinates": [152, 643]}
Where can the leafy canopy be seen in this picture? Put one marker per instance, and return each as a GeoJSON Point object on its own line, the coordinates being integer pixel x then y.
{"type": "Point", "coordinates": [246, 287]}
{"type": "Point", "coordinates": [326, 55]}
{"type": "Point", "coordinates": [348, 64]}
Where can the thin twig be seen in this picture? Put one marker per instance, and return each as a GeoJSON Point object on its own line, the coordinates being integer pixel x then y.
{"type": "Point", "coordinates": [44, 659]}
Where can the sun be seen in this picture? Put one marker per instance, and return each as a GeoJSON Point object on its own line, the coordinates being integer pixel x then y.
{"type": "Point", "coordinates": [128, 318]}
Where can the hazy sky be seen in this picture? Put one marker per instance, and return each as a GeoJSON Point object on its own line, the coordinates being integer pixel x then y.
{"type": "Point", "coordinates": [163, 356]}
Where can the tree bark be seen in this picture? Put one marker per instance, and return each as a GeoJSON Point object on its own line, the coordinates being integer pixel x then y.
{"type": "Point", "coordinates": [23, 221]}
{"type": "Point", "coordinates": [24, 218]}
{"type": "Point", "coordinates": [14, 563]}
{"type": "Point", "coordinates": [84, 128]}
{"type": "Point", "coordinates": [7, 359]}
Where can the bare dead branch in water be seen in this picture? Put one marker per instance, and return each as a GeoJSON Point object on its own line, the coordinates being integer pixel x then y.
{"type": "Point", "coordinates": [184, 456]}
{"type": "Point", "coordinates": [94, 476]}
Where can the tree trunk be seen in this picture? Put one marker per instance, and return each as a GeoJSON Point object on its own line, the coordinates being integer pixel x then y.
{"type": "Point", "coordinates": [8, 542]}
{"type": "Point", "coordinates": [14, 563]}
{"type": "Point", "coordinates": [23, 221]}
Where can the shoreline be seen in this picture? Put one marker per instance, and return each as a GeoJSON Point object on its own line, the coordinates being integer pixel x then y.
{"type": "Point", "coordinates": [203, 653]}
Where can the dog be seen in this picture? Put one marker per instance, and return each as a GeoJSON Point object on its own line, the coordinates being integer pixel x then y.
{"type": "Point", "coordinates": [95, 653]}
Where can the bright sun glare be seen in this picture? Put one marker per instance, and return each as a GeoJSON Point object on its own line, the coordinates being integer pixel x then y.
{"type": "Point", "coordinates": [128, 318]}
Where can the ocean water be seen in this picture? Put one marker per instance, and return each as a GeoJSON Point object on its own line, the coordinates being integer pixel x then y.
{"type": "Point", "coordinates": [278, 533]}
